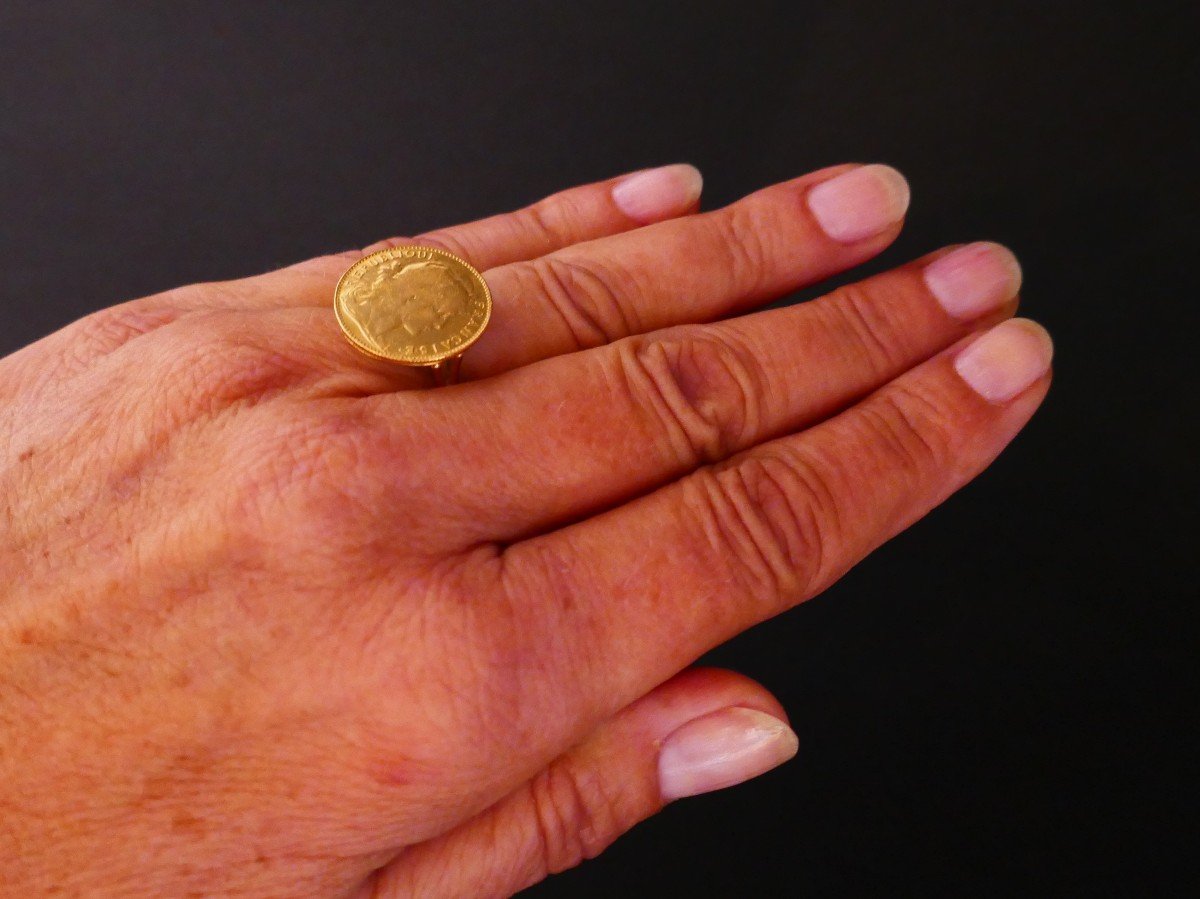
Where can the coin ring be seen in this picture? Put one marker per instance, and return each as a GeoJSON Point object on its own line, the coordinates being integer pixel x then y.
{"type": "Point", "coordinates": [450, 289]}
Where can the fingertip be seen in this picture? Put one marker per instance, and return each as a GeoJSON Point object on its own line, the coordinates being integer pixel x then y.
{"type": "Point", "coordinates": [1007, 360]}
{"type": "Point", "coordinates": [860, 203]}
{"type": "Point", "coordinates": [660, 193]}
{"type": "Point", "coordinates": [975, 279]}
{"type": "Point", "coordinates": [721, 749]}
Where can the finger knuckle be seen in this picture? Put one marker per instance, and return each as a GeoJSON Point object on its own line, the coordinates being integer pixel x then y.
{"type": "Point", "coordinates": [444, 239]}
{"type": "Point", "coordinates": [327, 267]}
{"type": "Point", "coordinates": [452, 242]}
{"type": "Point", "coordinates": [589, 298]}
{"type": "Point", "coordinates": [742, 235]}
{"type": "Point", "coordinates": [546, 219]}
{"type": "Point", "coordinates": [218, 359]}
{"type": "Point", "coordinates": [330, 263]}
{"type": "Point", "coordinates": [574, 816]}
{"type": "Point", "coordinates": [774, 517]}
{"type": "Point", "coordinates": [909, 428]}
{"type": "Point", "coordinates": [862, 319]}
{"type": "Point", "coordinates": [702, 390]}
{"type": "Point", "coordinates": [107, 330]}
{"type": "Point", "coordinates": [390, 243]}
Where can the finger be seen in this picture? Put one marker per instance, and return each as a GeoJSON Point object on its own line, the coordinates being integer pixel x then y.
{"type": "Point", "coordinates": [662, 579]}
{"type": "Point", "coordinates": [699, 268]}
{"type": "Point", "coordinates": [559, 220]}
{"type": "Point", "coordinates": [703, 730]}
{"type": "Point", "coordinates": [668, 402]}
{"type": "Point", "coordinates": [774, 241]}
{"type": "Point", "coordinates": [570, 216]}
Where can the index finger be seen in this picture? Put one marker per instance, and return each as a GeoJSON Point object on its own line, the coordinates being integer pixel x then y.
{"type": "Point", "coordinates": [560, 220]}
{"type": "Point", "coordinates": [578, 214]}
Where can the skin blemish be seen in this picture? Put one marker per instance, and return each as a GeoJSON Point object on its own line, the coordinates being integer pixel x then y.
{"type": "Point", "coordinates": [183, 822]}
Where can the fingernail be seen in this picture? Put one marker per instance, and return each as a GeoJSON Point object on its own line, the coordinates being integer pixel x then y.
{"type": "Point", "coordinates": [860, 203]}
{"type": "Point", "coordinates": [659, 193]}
{"type": "Point", "coordinates": [722, 749]}
{"type": "Point", "coordinates": [974, 279]}
{"type": "Point", "coordinates": [1006, 360]}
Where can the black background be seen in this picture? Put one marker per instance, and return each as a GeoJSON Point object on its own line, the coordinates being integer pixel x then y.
{"type": "Point", "coordinates": [994, 702]}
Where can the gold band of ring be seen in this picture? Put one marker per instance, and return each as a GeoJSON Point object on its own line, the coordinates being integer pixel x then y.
{"type": "Point", "coordinates": [446, 373]}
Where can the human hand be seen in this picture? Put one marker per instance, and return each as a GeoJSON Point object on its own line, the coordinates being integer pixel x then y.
{"type": "Point", "coordinates": [278, 623]}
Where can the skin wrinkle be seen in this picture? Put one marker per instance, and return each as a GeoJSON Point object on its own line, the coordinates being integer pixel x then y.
{"type": "Point", "coordinates": [558, 284]}
{"type": "Point", "coordinates": [737, 531]}
{"type": "Point", "coordinates": [281, 624]}
{"type": "Point", "coordinates": [540, 217]}
{"type": "Point", "coordinates": [640, 371]}
{"type": "Point", "coordinates": [839, 373]}
{"type": "Point", "coordinates": [866, 316]}
{"type": "Point", "coordinates": [743, 230]}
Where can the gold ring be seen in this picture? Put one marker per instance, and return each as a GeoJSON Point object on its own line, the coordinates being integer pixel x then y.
{"type": "Point", "coordinates": [413, 305]}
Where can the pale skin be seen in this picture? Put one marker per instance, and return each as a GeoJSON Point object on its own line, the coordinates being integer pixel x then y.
{"type": "Point", "coordinates": [280, 620]}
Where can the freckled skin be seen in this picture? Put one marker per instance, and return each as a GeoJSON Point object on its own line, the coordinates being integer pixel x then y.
{"type": "Point", "coordinates": [278, 620]}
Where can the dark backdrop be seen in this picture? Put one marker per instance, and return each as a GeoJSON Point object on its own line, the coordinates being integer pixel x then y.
{"type": "Point", "coordinates": [991, 703]}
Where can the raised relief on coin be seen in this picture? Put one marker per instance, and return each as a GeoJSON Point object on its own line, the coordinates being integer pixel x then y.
{"type": "Point", "coordinates": [412, 304]}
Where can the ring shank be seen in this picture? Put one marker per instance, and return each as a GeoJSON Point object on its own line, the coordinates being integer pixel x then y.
{"type": "Point", "coordinates": [446, 371]}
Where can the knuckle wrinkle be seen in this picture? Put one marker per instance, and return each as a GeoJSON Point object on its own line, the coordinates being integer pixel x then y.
{"type": "Point", "coordinates": [705, 391]}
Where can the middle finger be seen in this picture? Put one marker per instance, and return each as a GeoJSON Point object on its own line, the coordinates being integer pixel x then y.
{"type": "Point", "coordinates": [581, 433]}
{"type": "Point", "coordinates": [695, 269]}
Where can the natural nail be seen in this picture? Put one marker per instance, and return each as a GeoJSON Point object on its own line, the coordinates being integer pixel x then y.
{"type": "Point", "coordinates": [657, 194]}
{"type": "Point", "coordinates": [721, 749]}
{"type": "Point", "coordinates": [1006, 360]}
{"type": "Point", "coordinates": [974, 279]}
{"type": "Point", "coordinates": [859, 203]}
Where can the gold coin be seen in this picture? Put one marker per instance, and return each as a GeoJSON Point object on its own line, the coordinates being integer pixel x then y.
{"type": "Point", "coordinates": [413, 305]}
